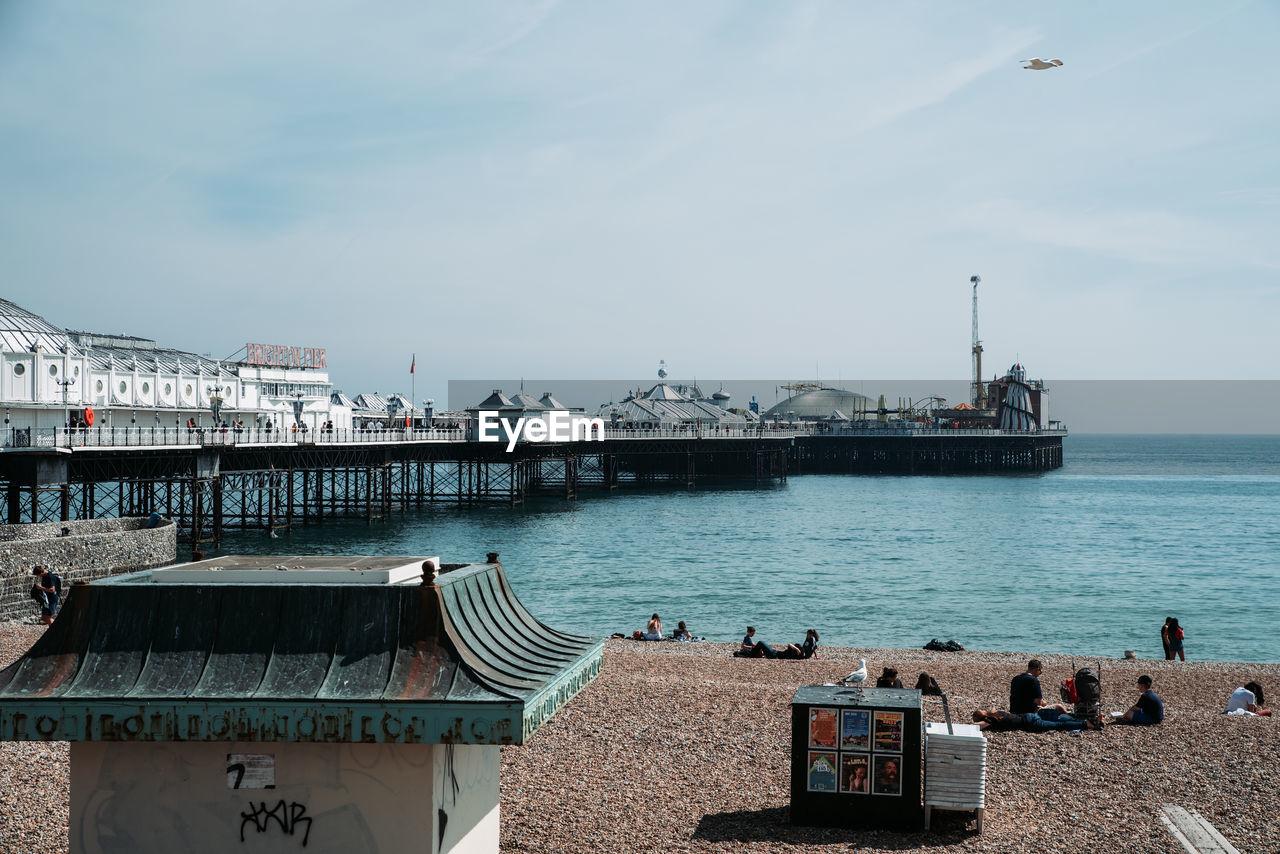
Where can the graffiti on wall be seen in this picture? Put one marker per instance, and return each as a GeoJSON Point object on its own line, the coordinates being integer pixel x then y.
{"type": "Point", "coordinates": [287, 817]}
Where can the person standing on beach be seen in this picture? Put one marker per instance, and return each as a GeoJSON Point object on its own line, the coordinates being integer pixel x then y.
{"type": "Point", "coordinates": [1171, 634]}
{"type": "Point", "coordinates": [1148, 711]}
{"type": "Point", "coordinates": [1024, 691]}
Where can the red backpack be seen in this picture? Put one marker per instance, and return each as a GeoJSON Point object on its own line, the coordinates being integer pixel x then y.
{"type": "Point", "coordinates": [1068, 691]}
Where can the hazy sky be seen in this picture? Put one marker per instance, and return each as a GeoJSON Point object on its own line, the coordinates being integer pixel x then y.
{"type": "Point", "coordinates": [582, 189]}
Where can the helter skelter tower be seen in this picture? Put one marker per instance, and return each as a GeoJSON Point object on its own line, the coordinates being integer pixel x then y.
{"type": "Point", "coordinates": [979, 394]}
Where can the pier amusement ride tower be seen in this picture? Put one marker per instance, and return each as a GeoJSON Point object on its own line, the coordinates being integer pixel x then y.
{"type": "Point", "coordinates": [979, 390]}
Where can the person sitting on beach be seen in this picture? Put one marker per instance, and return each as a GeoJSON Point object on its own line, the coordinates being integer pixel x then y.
{"type": "Point", "coordinates": [1047, 719]}
{"type": "Point", "coordinates": [928, 686]}
{"type": "Point", "coordinates": [1024, 691]}
{"type": "Point", "coordinates": [681, 633]}
{"type": "Point", "coordinates": [752, 648]}
{"type": "Point", "coordinates": [46, 589]}
{"type": "Point", "coordinates": [653, 631]}
{"type": "Point", "coordinates": [889, 679]}
{"type": "Point", "coordinates": [1247, 701]}
{"type": "Point", "coordinates": [1148, 711]}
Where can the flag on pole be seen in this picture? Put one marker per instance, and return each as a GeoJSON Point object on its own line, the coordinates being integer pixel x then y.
{"type": "Point", "coordinates": [413, 362]}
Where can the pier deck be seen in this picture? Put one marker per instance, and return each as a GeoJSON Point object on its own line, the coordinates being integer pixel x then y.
{"type": "Point", "coordinates": [209, 481]}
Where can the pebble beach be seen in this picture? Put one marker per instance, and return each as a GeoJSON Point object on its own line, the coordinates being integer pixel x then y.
{"type": "Point", "coordinates": [681, 747]}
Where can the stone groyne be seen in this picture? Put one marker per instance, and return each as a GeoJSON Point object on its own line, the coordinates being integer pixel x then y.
{"type": "Point", "coordinates": [77, 551]}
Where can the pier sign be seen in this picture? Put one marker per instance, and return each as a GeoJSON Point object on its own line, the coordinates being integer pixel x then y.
{"type": "Point", "coordinates": [281, 356]}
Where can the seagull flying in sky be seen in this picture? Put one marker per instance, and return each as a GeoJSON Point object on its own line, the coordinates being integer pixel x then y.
{"type": "Point", "coordinates": [859, 675]}
{"type": "Point", "coordinates": [1039, 64]}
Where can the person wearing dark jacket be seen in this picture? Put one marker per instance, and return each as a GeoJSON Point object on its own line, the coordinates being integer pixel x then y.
{"type": "Point", "coordinates": [1024, 691]}
{"type": "Point", "coordinates": [1148, 711]}
{"type": "Point", "coordinates": [889, 679]}
{"type": "Point", "coordinates": [46, 591]}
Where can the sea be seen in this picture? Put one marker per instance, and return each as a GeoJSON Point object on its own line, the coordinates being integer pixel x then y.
{"type": "Point", "coordinates": [1085, 560]}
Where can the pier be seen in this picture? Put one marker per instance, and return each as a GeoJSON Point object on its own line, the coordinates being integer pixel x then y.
{"type": "Point", "coordinates": [210, 481]}
{"type": "Point", "coordinates": [927, 452]}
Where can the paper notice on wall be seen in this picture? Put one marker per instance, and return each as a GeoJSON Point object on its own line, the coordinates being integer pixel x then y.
{"type": "Point", "coordinates": [251, 771]}
{"type": "Point", "coordinates": [822, 727]}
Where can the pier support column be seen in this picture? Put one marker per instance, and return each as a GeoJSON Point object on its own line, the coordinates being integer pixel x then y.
{"type": "Point", "coordinates": [217, 508]}
{"type": "Point", "coordinates": [288, 500]}
{"type": "Point", "coordinates": [14, 498]}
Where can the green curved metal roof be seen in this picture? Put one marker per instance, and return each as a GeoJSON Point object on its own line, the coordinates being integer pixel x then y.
{"type": "Point", "coordinates": [460, 661]}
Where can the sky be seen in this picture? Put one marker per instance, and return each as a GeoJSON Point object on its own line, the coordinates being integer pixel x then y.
{"type": "Point", "coordinates": [581, 189]}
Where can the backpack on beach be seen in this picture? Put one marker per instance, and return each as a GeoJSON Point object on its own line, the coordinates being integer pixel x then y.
{"type": "Point", "coordinates": [1067, 690]}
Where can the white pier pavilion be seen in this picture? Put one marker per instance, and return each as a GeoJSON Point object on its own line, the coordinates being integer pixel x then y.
{"type": "Point", "coordinates": [50, 376]}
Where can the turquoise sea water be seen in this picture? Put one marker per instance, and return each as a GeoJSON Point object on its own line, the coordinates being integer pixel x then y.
{"type": "Point", "coordinates": [1088, 559]}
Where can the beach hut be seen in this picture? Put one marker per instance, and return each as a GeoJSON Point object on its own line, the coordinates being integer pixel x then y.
{"type": "Point", "coordinates": [277, 703]}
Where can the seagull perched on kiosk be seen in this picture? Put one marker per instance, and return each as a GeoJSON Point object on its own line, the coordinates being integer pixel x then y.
{"type": "Point", "coordinates": [859, 675]}
{"type": "Point", "coordinates": [1039, 64]}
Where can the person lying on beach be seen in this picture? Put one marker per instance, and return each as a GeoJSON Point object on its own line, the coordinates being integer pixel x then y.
{"type": "Point", "coordinates": [804, 650]}
{"type": "Point", "coordinates": [889, 679]}
{"type": "Point", "coordinates": [1148, 711]}
{"type": "Point", "coordinates": [681, 633]}
{"type": "Point", "coordinates": [752, 648]}
{"type": "Point", "coordinates": [653, 631]}
{"type": "Point", "coordinates": [1247, 701]}
{"type": "Point", "coordinates": [1049, 718]}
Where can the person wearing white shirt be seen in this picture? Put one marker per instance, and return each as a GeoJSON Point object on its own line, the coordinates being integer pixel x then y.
{"type": "Point", "coordinates": [1247, 700]}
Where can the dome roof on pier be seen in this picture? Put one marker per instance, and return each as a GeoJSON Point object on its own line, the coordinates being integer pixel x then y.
{"type": "Point", "coordinates": [820, 403]}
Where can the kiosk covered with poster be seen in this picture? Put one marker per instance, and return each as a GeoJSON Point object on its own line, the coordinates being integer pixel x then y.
{"type": "Point", "coordinates": [856, 757]}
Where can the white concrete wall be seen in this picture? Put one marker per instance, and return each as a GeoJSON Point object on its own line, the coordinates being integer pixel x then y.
{"type": "Point", "coordinates": [349, 798]}
{"type": "Point", "coordinates": [472, 824]}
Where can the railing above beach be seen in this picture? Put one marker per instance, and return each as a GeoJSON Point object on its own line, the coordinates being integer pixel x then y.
{"type": "Point", "coordinates": [160, 437]}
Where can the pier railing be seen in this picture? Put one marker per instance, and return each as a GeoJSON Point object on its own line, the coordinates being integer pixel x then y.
{"type": "Point", "coordinates": [141, 437]}
{"type": "Point", "coordinates": [159, 437]}
{"type": "Point", "coordinates": [931, 431]}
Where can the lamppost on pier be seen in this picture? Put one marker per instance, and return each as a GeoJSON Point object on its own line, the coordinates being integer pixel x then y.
{"type": "Point", "coordinates": [66, 409]}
